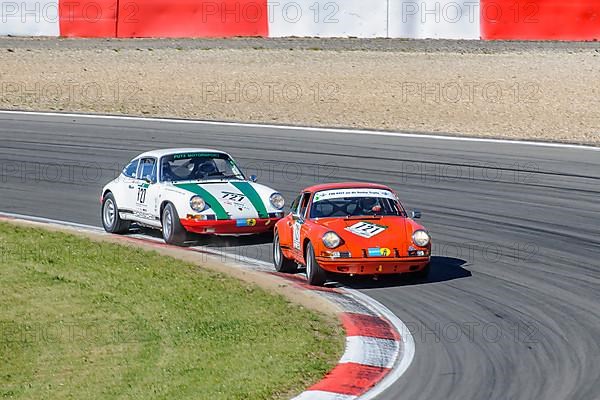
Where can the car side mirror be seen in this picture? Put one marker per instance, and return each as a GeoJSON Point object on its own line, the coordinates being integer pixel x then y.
{"type": "Point", "coordinates": [253, 178]}
{"type": "Point", "coordinates": [148, 179]}
{"type": "Point", "coordinates": [415, 214]}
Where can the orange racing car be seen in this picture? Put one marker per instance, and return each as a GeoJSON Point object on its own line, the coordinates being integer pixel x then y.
{"type": "Point", "coordinates": [350, 228]}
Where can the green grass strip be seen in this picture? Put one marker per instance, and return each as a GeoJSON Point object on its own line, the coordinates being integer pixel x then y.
{"type": "Point", "coordinates": [87, 320]}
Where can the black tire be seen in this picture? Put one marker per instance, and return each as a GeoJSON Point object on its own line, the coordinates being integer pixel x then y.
{"type": "Point", "coordinates": [315, 275]}
{"type": "Point", "coordinates": [109, 212]}
{"type": "Point", "coordinates": [173, 231]}
{"type": "Point", "coordinates": [422, 274]}
{"type": "Point", "coordinates": [281, 263]}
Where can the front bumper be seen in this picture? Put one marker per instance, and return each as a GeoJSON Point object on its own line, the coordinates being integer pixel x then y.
{"type": "Point", "coordinates": [229, 226]}
{"type": "Point", "coordinates": [373, 265]}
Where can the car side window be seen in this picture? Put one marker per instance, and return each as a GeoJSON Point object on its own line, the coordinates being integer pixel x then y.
{"type": "Point", "coordinates": [130, 170]}
{"type": "Point", "coordinates": [294, 205]}
{"type": "Point", "coordinates": [304, 205]}
{"type": "Point", "coordinates": [147, 168]}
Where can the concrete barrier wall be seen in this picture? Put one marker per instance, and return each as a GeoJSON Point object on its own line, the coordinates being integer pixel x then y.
{"type": "Point", "coordinates": [350, 18]}
{"type": "Point", "coordinates": [540, 19]}
{"type": "Point", "coordinates": [192, 18]}
{"type": "Point", "coordinates": [29, 18]}
{"type": "Point", "coordinates": [88, 19]}
{"type": "Point", "coordinates": [437, 19]}
{"type": "Point", "coordinates": [418, 19]}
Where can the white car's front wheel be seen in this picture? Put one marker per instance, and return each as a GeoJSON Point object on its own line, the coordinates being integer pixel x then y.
{"type": "Point", "coordinates": [111, 221]}
{"type": "Point", "coordinates": [173, 231]}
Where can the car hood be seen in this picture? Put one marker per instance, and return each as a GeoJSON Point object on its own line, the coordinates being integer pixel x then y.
{"type": "Point", "coordinates": [233, 199]}
{"type": "Point", "coordinates": [363, 233]}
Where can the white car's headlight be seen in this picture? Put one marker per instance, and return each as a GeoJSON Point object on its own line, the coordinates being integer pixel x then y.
{"type": "Point", "coordinates": [197, 204]}
{"type": "Point", "coordinates": [277, 201]}
{"type": "Point", "coordinates": [331, 240]}
{"type": "Point", "coordinates": [421, 238]}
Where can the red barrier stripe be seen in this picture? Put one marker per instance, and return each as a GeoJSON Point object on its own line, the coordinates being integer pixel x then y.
{"type": "Point", "coordinates": [88, 18]}
{"type": "Point", "coordinates": [369, 326]}
{"type": "Point", "coordinates": [192, 18]}
{"type": "Point", "coordinates": [540, 19]}
{"type": "Point", "coordinates": [351, 379]}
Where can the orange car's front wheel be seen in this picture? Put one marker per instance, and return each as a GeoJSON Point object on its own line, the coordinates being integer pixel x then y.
{"type": "Point", "coordinates": [315, 275]}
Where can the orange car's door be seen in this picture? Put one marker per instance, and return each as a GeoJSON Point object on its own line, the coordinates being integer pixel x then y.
{"type": "Point", "coordinates": [298, 228]}
{"type": "Point", "coordinates": [284, 228]}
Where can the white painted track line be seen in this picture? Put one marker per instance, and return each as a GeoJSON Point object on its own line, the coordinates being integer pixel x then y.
{"type": "Point", "coordinates": [307, 129]}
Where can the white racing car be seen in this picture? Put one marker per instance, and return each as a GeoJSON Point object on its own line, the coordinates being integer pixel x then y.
{"type": "Point", "coordinates": [185, 191]}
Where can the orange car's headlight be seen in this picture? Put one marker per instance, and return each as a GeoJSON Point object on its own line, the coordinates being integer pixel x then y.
{"type": "Point", "coordinates": [421, 238]}
{"type": "Point", "coordinates": [331, 240]}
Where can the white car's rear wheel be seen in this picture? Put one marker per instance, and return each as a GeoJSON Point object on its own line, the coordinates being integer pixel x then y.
{"type": "Point", "coordinates": [111, 221]}
{"type": "Point", "coordinates": [173, 231]}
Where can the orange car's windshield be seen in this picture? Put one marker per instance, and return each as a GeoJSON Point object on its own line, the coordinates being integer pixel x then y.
{"type": "Point", "coordinates": [355, 207]}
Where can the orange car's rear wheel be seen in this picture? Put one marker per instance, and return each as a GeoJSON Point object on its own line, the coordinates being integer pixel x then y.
{"type": "Point", "coordinates": [315, 275]}
{"type": "Point", "coordinates": [282, 264]}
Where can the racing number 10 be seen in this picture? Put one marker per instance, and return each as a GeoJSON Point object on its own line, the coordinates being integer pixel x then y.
{"type": "Point", "coordinates": [141, 197]}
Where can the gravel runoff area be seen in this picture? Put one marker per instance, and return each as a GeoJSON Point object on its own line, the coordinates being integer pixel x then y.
{"type": "Point", "coordinates": [522, 90]}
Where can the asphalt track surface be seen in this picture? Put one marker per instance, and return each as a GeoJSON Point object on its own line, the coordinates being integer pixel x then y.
{"type": "Point", "coordinates": [511, 309]}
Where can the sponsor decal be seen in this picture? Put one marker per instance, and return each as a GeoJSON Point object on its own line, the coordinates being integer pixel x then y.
{"type": "Point", "coordinates": [194, 155]}
{"type": "Point", "coordinates": [379, 252]}
{"type": "Point", "coordinates": [366, 229]}
{"type": "Point", "coordinates": [296, 234]}
{"type": "Point", "coordinates": [245, 222]}
{"type": "Point", "coordinates": [345, 193]}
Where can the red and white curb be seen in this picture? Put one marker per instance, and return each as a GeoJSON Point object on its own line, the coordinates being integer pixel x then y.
{"type": "Point", "coordinates": [376, 345]}
{"type": "Point", "coordinates": [379, 347]}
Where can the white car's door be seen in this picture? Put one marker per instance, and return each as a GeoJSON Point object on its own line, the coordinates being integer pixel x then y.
{"type": "Point", "coordinates": [125, 190]}
{"type": "Point", "coordinates": [147, 192]}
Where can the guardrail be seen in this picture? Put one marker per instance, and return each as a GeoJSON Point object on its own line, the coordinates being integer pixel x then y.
{"type": "Point", "coordinates": [441, 19]}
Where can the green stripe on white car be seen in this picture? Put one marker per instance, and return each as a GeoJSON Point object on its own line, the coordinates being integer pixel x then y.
{"type": "Point", "coordinates": [211, 200]}
{"type": "Point", "coordinates": [252, 195]}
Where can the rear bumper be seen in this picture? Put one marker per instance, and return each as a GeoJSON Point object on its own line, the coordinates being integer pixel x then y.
{"type": "Point", "coordinates": [373, 266]}
{"type": "Point", "coordinates": [230, 226]}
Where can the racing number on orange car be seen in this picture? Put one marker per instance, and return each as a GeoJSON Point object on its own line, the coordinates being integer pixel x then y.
{"type": "Point", "coordinates": [296, 235]}
{"type": "Point", "coordinates": [366, 229]}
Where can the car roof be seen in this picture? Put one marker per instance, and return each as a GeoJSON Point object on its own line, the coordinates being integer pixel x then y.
{"type": "Point", "coordinates": [346, 185]}
{"type": "Point", "coordinates": [163, 152]}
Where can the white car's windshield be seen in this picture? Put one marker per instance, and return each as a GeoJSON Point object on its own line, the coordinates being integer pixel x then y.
{"type": "Point", "coordinates": [198, 166]}
{"type": "Point", "coordinates": [355, 203]}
